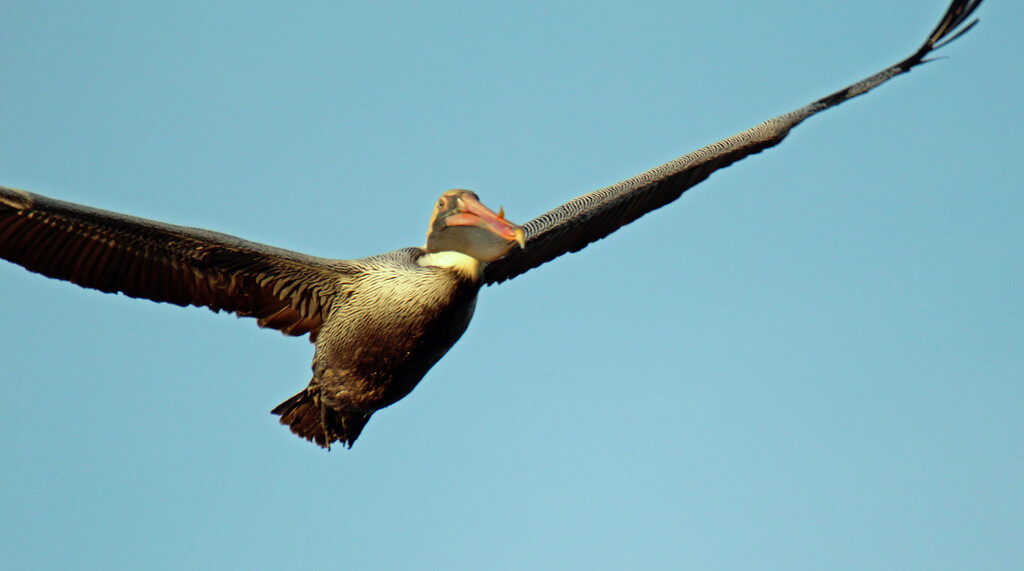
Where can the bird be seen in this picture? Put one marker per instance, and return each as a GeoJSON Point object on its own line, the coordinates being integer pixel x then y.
{"type": "Point", "coordinates": [378, 324]}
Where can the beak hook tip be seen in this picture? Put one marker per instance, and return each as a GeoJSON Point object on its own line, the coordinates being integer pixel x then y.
{"type": "Point", "coordinates": [521, 238]}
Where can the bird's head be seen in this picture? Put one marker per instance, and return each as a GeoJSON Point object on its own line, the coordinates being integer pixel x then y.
{"type": "Point", "coordinates": [461, 223]}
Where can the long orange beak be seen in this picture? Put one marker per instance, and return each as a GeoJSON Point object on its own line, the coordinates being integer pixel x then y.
{"type": "Point", "coordinates": [472, 212]}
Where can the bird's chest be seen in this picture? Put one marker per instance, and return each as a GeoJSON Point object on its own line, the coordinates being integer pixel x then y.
{"type": "Point", "coordinates": [397, 320]}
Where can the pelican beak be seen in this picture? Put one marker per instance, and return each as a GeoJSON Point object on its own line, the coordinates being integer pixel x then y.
{"type": "Point", "coordinates": [472, 212]}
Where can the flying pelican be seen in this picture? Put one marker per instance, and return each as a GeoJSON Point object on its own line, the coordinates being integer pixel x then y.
{"type": "Point", "coordinates": [379, 323]}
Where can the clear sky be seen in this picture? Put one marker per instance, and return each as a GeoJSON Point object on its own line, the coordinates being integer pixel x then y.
{"type": "Point", "coordinates": [814, 359]}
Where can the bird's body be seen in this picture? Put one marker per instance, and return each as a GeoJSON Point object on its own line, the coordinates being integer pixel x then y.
{"type": "Point", "coordinates": [378, 323]}
{"type": "Point", "coordinates": [401, 315]}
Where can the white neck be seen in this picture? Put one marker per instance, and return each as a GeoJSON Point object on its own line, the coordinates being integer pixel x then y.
{"type": "Point", "coordinates": [465, 265]}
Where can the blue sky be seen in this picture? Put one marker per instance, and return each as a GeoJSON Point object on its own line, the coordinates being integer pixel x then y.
{"type": "Point", "coordinates": [813, 359]}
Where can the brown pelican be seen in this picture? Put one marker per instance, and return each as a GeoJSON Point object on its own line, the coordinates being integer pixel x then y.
{"type": "Point", "coordinates": [379, 323]}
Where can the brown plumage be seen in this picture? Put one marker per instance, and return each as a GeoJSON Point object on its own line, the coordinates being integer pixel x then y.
{"type": "Point", "coordinates": [379, 323]}
{"type": "Point", "coordinates": [398, 320]}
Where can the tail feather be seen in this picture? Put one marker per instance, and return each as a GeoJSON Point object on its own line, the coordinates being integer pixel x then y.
{"type": "Point", "coordinates": [309, 417]}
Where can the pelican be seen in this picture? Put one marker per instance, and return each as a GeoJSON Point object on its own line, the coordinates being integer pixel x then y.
{"type": "Point", "coordinates": [380, 323]}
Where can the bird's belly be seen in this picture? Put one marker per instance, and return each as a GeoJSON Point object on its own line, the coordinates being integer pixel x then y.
{"type": "Point", "coordinates": [386, 337]}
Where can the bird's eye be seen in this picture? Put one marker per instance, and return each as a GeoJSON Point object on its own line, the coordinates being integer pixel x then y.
{"type": "Point", "coordinates": [440, 203]}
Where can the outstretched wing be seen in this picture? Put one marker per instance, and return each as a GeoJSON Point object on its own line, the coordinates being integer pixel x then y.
{"type": "Point", "coordinates": [113, 252]}
{"type": "Point", "coordinates": [585, 219]}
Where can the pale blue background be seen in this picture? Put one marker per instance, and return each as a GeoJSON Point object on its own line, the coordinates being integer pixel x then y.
{"type": "Point", "coordinates": [812, 360]}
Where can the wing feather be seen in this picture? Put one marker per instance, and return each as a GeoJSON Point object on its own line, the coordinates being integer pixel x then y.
{"type": "Point", "coordinates": [588, 218]}
{"type": "Point", "coordinates": [113, 252]}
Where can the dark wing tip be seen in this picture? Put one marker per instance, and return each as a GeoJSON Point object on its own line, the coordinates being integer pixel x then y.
{"type": "Point", "coordinates": [957, 13]}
